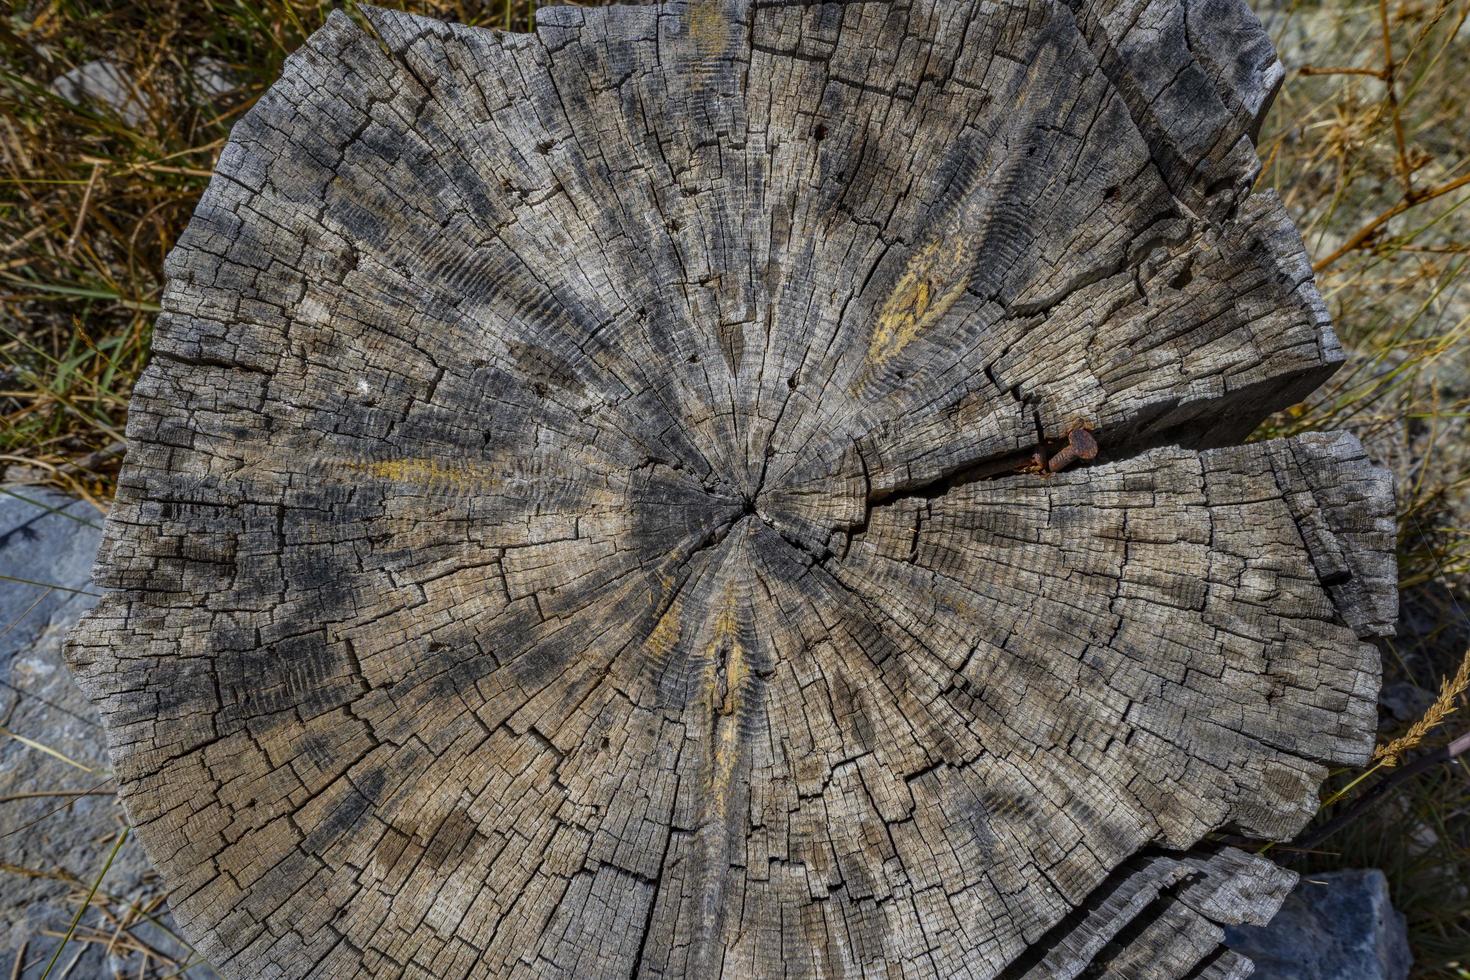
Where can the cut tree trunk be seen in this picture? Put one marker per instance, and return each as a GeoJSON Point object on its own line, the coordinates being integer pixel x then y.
{"type": "Point", "coordinates": [592, 508]}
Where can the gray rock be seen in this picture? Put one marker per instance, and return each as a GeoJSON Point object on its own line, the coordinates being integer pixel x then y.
{"type": "Point", "coordinates": [104, 84]}
{"type": "Point", "coordinates": [1337, 926]}
{"type": "Point", "coordinates": [109, 86]}
{"type": "Point", "coordinates": [1403, 702]}
{"type": "Point", "coordinates": [52, 847]}
{"type": "Point", "coordinates": [212, 78]}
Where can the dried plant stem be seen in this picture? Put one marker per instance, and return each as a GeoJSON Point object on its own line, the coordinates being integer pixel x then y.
{"type": "Point", "coordinates": [47, 794]}
{"type": "Point", "coordinates": [1390, 82]}
{"type": "Point", "coordinates": [1366, 232]}
{"type": "Point", "coordinates": [76, 231]}
{"type": "Point", "coordinates": [121, 838]}
{"type": "Point", "coordinates": [1380, 790]}
{"type": "Point", "coordinates": [1341, 70]}
{"type": "Point", "coordinates": [1444, 705]}
{"type": "Point", "coordinates": [39, 747]}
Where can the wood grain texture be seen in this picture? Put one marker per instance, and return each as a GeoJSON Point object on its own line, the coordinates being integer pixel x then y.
{"type": "Point", "coordinates": [572, 523]}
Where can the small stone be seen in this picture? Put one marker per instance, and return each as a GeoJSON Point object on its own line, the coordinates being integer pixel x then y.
{"type": "Point", "coordinates": [106, 84]}
{"type": "Point", "coordinates": [1337, 926]}
{"type": "Point", "coordinates": [212, 78]}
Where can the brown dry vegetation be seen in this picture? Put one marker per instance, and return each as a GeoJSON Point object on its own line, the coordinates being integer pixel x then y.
{"type": "Point", "coordinates": [1368, 144]}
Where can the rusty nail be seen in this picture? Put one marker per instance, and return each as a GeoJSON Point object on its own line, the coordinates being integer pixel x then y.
{"type": "Point", "coordinates": [1080, 445]}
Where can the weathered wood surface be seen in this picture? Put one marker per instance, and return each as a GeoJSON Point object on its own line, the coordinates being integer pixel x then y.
{"type": "Point", "coordinates": [572, 524]}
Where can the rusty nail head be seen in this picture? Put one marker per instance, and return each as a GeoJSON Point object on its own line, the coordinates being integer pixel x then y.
{"type": "Point", "coordinates": [1080, 445]}
{"type": "Point", "coordinates": [1083, 443]}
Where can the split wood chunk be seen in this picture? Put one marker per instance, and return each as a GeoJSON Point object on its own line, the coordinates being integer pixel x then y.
{"type": "Point", "coordinates": [578, 519]}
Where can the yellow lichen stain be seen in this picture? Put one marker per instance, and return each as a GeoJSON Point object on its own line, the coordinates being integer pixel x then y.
{"type": "Point", "coordinates": [722, 771]}
{"type": "Point", "coordinates": [732, 669]}
{"type": "Point", "coordinates": [935, 277]}
{"type": "Point", "coordinates": [710, 30]}
{"type": "Point", "coordinates": [709, 27]}
{"type": "Point", "coordinates": [729, 674]}
{"type": "Point", "coordinates": [660, 642]}
{"type": "Point", "coordinates": [433, 475]}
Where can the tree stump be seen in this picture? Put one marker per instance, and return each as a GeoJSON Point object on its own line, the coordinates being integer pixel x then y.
{"type": "Point", "coordinates": [598, 505]}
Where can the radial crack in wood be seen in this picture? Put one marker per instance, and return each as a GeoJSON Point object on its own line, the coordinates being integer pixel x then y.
{"type": "Point", "coordinates": [580, 521]}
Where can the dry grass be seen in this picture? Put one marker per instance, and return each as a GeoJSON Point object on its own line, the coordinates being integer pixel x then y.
{"type": "Point", "coordinates": [1367, 145]}
{"type": "Point", "coordinates": [93, 198]}
{"type": "Point", "coordinates": [1451, 693]}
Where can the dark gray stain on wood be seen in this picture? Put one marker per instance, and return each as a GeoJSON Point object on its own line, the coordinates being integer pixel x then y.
{"type": "Point", "coordinates": [581, 520]}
